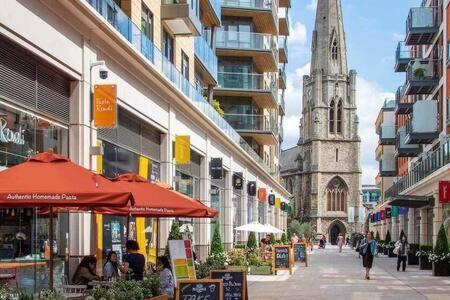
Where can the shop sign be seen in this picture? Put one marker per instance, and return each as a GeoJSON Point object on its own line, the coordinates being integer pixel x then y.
{"type": "Point", "coordinates": [444, 191]}
{"type": "Point", "coordinates": [378, 216]}
{"type": "Point", "coordinates": [394, 211]}
{"type": "Point", "coordinates": [403, 210]}
{"type": "Point", "coordinates": [272, 199]}
{"type": "Point", "coordinates": [182, 149]}
{"type": "Point", "coordinates": [237, 180]}
{"type": "Point", "coordinates": [283, 206]}
{"type": "Point", "coordinates": [9, 136]}
{"type": "Point", "coordinates": [216, 168]}
{"type": "Point", "coordinates": [104, 106]}
{"type": "Point", "coordinates": [262, 194]}
{"type": "Point", "coordinates": [382, 215]}
{"type": "Point", "coordinates": [277, 202]}
{"type": "Point", "coordinates": [251, 188]}
{"type": "Point", "coordinates": [388, 213]}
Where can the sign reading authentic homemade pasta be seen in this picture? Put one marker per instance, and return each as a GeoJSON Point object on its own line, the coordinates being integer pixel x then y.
{"type": "Point", "coordinates": [234, 283]}
{"type": "Point", "coordinates": [205, 289]}
{"type": "Point", "coordinates": [281, 258]}
{"type": "Point", "coordinates": [104, 106]}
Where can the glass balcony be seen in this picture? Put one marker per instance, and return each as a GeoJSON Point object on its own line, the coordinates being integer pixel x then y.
{"type": "Point", "coordinates": [403, 56]}
{"type": "Point", "coordinates": [388, 165]}
{"type": "Point", "coordinates": [206, 56]}
{"type": "Point", "coordinates": [422, 124]}
{"type": "Point", "coordinates": [421, 25]}
{"type": "Point", "coordinates": [182, 16]}
{"type": "Point", "coordinates": [120, 21]}
{"type": "Point", "coordinates": [421, 77]}
{"type": "Point", "coordinates": [281, 78]}
{"type": "Point", "coordinates": [281, 104]}
{"type": "Point", "coordinates": [283, 49]}
{"type": "Point", "coordinates": [253, 123]}
{"type": "Point", "coordinates": [402, 149]}
{"type": "Point", "coordinates": [283, 21]}
{"type": "Point", "coordinates": [387, 134]}
{"type": "Point", "coordinates": [402, 108]}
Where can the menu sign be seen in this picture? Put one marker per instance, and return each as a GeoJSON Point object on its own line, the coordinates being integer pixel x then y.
{"type": "Point", "coordinates": [234, 283]}
{"type": "Point", "coordinates": [182, 259]}
{"type": "Point", "coordinates": [211, 289]}
{"type": "Point", "coordinates": [281, 258]}
{"type": "Point", "coordinates": [300, 253]}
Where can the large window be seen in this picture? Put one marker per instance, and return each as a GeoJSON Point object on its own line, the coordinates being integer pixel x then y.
{"type": "Point", "coordinates": [185, 65]}
{"type": "Point", "coordinates": [168, 46]}
{"type": "Point", "coordinates": [336, 195]}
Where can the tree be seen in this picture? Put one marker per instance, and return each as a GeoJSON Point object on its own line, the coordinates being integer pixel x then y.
{"type": "Point", "coordinates": [252, 244]}
{"type": "Point", "coordinates": [174, 234]}
{"type": "Point", "coordinates": [377, 237]}
{"type": "Point", "coordinates": [306, 229]}
{"type": "Point", "coordinates": [216, 105]}
{"type": "Point", "coordinates": [272, 239]}
{"type": "Point", "coordinates": [441, 242]}
{"type": "Point", "coordinates": [216, 244]}
{"type": "Point", "coordinates": [284, 239]}
{"type": "Point", "coordinates": [388, 237]}
{"type": "Point", "coordinates": [295, 227]}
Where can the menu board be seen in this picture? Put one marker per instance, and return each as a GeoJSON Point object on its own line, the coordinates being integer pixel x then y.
{"type": "Point", "coordinates": [182, 259]}
{"type": "Point", "coordinates": [300, 253]}
{"type": "Point", "coordinates": [281, 258]}
{"type": "Point", "coordinates": [234, 283]}
{"type": "Point", "coordinates": [211, 289]}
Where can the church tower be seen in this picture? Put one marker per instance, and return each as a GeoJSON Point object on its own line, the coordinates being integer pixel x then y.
{"type": "Point", "coordinates": [329, 143]}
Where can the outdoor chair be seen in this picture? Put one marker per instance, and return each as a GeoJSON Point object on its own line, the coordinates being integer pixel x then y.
{"type": "Point", "coordinates": [9, 274]}
{"type": "Point", "coordinates": [74, 292]}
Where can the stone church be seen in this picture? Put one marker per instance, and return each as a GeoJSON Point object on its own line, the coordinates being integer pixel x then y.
{"type": "Point", "coordinates": [323, 171]}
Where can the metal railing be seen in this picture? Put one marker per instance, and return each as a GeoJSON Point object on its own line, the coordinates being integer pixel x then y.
{"type": "Point", "coordinates": [399, 94]}
{"type": "Point", "coordinates": [206, 54]}
{"type": "Point", "coordinates": [282, 73]}
{"type": "Point", "coordinates": [120, 21]}
{"type": "Point", "coordinates": [281, 101]}
{"type": "Point", "coordinates": [255, 123]}
{"type": "Point", "coordinates": [245, 41]}
{"type": "Point", "coordinates": [422, 70]}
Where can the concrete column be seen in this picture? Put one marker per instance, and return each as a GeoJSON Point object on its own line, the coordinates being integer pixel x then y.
{"type": "Point", "coordinates": [411, 226]}
{"type": "Point", "coordinates": [382, 230]}
{"type": "Point", "coordinates": [228, 213]}
{"type": "Point", "coordinates": [243, 209]}
{"type": "Point", "coordinates": [423, 227]}
{"type": "Point", "coordinates": [437, 219]}
{"type": "Point", "coordinates": [202, 227]}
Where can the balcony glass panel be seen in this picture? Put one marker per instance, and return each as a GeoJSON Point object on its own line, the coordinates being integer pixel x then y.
{"type": "Point", "coordinates": [217, 6]}
{"type": "Point", "coordinates": [245, 40]}
{"type": "Point", "coordinates": [256, 123]}
{"type": "Point", "coordinates": [388, 163]}
{"type": "Point", "coordinates": [421, 17]}
{"type": "Point", "coordinates": [282, 43]}
{"type": "Point", "coordinates": [118, 19]}
{"type": "Point", "coordinates": [387, 131]}
{"type": "Point", "coordinates": [206, 54]}
{"type": "Point", "coordinates": [283, 13]}
{"type": "Point", "coordinates": [422, 70]}
{"type": "Point", "coordinates": [424, 118]}
{"type": "Point", "coordinates": [247, 81]}
{"type": "Point", "coordinates": [253, 4]}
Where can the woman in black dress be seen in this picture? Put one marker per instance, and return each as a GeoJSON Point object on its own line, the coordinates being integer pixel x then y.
{"type": "Point", "coordinates": [369, 249]}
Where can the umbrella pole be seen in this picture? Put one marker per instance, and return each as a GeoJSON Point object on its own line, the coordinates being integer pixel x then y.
{"type": "Point", "coordinates": [157, 237]}
{"type": "Point", "coordinates": [50, 239]}
{"type": "Point", "coordinates": [128, 227]}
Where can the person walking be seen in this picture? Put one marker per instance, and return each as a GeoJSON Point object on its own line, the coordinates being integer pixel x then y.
{"type": "Point", "coordinates": [401, 249]}
{"type": "Point", "coordinates": [368, 251]}
{"type": "Point", "coordinates": [363, 240]}
{"type": "Point", "coordinates": [340, 242]}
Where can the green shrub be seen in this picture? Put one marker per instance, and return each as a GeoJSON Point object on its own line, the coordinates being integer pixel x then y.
{"type": "Point", "coordinates": [5, 292]}
{"type": "Point", "coordinates": [236, 257]}
{"type": "Point", "coordinates": [253, 259]}
{"type": "Point", "coordinates": [252, 244]}
{"type": "Point", "coordinates": [126, 290]}
{"type": "Point", "coordinates": [150, 285]}
{"type": "Point", "coordinates": [295, 227]}
{"type": "Point", "coordinates": [441, 242]}
{"type": "Point", "coordinates": [413, 248]}
{"type": "Point", "coordinates": [213, 262]}
{"type": "Point", "coordinates": [216, 244]}
{"type": "Point", "coordinates": [24, 296]}
{"type": "Point", "coordinates": [272, 239]}
{"type": "Point", "coordinates": [51, 295]}
{"type": "Point", "coordinates": [284, 239]}
{"type": "Point", "coordinates": [388, 237]}
{"type": "Point", "coordinates": [239, 246]}
{"type": "Point", "coordinates": [377, 237]}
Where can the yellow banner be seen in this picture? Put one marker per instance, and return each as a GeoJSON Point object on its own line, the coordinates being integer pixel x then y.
{"type": "Point", "coordinates": [104, 106]}
{"type": "Point", "coordinates": [99, 159]}
{"type": "Point", "coordinates": [277, 202]}
{"type": "Point", "coordinates": [140, 234]}
{"type": "Point", "coordinates": [182, 149]}
{"type": "Point", "coordinates": [143, 167]}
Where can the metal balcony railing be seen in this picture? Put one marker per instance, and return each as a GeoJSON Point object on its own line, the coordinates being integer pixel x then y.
{"type": "Point", "coordinates": [253, 123]}
{"type": "Point", "coordinates": [120, 21]}
{"type": "Point", "coordinates": [206, 54]}
{"type": "Point", "coordinates": [421, 25]}
{"type": "Point", "coordinates": [253, 4]}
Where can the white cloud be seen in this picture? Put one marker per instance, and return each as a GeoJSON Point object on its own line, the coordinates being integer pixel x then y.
{"type": "Point", "coordinates": [291, 131]}
{"type": "Point", "coordinates": [298, 35]}
{"type": "Point", "coordinates": [312, 5]}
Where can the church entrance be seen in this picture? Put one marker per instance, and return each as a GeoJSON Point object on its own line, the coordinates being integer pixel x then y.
{"type": "Point", "coordinates": [334, 230]}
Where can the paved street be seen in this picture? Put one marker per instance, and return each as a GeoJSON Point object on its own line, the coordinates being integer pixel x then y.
{"type": "Point", "coordinates": [332, 275]}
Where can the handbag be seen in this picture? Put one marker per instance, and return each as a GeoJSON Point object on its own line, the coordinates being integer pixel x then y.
{"type": "Point", "coordinates": [396, 250]}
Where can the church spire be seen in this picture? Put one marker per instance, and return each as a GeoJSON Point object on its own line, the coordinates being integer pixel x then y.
{"type": "Point", "coordinates": [329, 40]}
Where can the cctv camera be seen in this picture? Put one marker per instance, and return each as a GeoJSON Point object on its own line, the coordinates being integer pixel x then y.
{"type": "Point", "coordinates": [103, 72]}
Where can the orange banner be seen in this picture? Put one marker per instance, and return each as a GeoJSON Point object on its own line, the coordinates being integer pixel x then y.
{"type": "Point", "coordinates": [104, 106]}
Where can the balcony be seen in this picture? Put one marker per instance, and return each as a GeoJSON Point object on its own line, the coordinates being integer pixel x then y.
{"type": "Point", "coordinates": [421, 26]}
{"type": "Point", "coordinates": [283, 49]}
{"type": "Point", "coordinates": [264, 13]}
{"type": "Point", "coordinates": [281, 104]}
{"type": "Point", "coordinates": [139, 41]}
{"type": "Point", "coordinates": [402, 108]}
{"type": "Point", "coordinates": [261, 47]}
{"type": "Point", "coordinates": [283, 21]}
{"type": "Point", "coordinates": [284, 3]}
{"type": "Point", "coordinates": [421, 77]}
{"type": "Point", "coordinates": [181, 17]}
{"type": "Point", "coordinates": [402, 149]}
{"type": "Point", "coordinates": [422, 125]}
{"type": "Point", "coordinates": [211, 12]}
{"type": "Point", "coordinates": [388, 165]}
{"type": "Point", "coordinates": [281, 78]}
{"type": "Point", "coordinates": [387, 134]}
{"type": "Point", "coordinates": [281, 132]}
{"type": "Point", "coordinates": [402, 57]}
{"type": "Point", "coordinates": [262, 128]}
{"type": "Point", "coordinates": [261, 88]}
{"type": "Point", "coordinates": [205, 60]}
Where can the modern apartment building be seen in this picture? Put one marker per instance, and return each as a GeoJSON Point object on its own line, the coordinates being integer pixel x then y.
{"type": "Point", "coordinates": [162, 56]}
{"type": "Point", "coordinates": [414, 146]}
{"type": "Point", "coordinates": [370, 195]}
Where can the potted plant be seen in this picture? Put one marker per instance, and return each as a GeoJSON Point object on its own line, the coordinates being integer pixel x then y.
{"type": "Point", "coordinates": [389, 245]}
{"type": "Point", "coordinates": [284, 239]}
{"type": "Point", "coordinates": [236, 260]}
{"type": "Point", "coordinates": [423, 253]}
{"type": "Point", "coordinates": [412, 258]}
{"type": "Point", "coordinates": [419, 73]}
{"type": "Point", "coordinates": [258, 266]}
{"type": "Point", "coordinates": [440, 258]}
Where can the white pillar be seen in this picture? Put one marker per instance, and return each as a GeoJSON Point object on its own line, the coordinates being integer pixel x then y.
{"type": "Point", "coordinates": [437, 219]}
{"type": "Point", "coordinates": [423, 227]}
{"type": "Point", "coordinates": [228, 212]}
{"type": "Point", "coordinates": [202, 226]}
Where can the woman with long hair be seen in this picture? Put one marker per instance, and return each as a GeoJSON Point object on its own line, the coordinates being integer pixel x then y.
{"type": "Point", "coordinates": [368, 251]}
{"type": "Point", "coordinates": [166, 281]}
{"type": "Point", "coordinates": [111, 266]}
{"type": "Point", "coordinates": [86, 271]}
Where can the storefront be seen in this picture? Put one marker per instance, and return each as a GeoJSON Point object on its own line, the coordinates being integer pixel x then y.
{"type": "Point", "coordinates": [217, 195]}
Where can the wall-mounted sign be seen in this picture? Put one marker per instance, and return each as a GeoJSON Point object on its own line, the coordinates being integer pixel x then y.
{"type": "Point", "coordinates": [277, 202]}
{"type": "Point", "coordinates": [262, 194]}
{"type": "Point", "coordinates": [403, 210]}
{"type": "Point", "coordinates": [104, 106]}
{"type": "Point", "coordinates": [387, 213]}
{"type": "Point", "coordinates": [378, 216]}
{"type": "Point", "coordinates": [9, 136]}
{"type": "Point", "coordinates": [444, 191]}
{"type": "Point", "coordinates": [382, 215]}
{"type": "Point", "coordinates": [272, 199]}
{"type": "Point", "coordinates": [216, 168]}
{"type": "Point", "coordinates": [238, 180]}
{"type": "Point", "coordinates": [283, 206]}
{"type": "Point", "coordinates": [182, 149]}
{"type": "Point", "coordinates": [251, 188]}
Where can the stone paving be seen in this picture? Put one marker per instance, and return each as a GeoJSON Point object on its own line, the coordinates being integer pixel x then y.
{"type": "Point", "coordinates": [333, 275]}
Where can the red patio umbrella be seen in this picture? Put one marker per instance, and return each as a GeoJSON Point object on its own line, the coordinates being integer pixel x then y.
{"type": "Point", "coordinates": [49, 180]}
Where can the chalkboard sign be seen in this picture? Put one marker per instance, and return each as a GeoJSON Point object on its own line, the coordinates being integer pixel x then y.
{"type": "Point", "coordinates": [200, 289]}
{"type": "Point", "coordinates": [300, 253]}
{"type": "Point", "coordinates": [234, 283]}
{"type": "Point", "coordinates": [282, 258]}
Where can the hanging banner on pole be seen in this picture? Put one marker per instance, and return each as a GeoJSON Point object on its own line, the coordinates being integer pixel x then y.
{"type": "Point", "coordinates": [182, 149]}
{"type": "Point", "coordinates": [104, 106]}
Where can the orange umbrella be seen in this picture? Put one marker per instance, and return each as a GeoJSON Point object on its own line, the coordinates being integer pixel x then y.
{"type": "Point", "coordinates": [154, 200]}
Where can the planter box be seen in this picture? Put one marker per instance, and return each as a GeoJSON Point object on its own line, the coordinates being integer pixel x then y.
{"type": "Point", "coordinates": [441, 268]}
{"type": "Point", "coordinates": [425, 263]}
{"type": "Point", "coordinates": [260, 270]}
{"type": "Point", "coordinates": [391, 253]}
{"type": "Point", "coordinates": [380, 249]}
{"type": "Point", "coordinates": [412, 259]}
{"type": "Point", "coordinates": [237, 268]}
{"type": "Point", "coordinates": [385, 251]}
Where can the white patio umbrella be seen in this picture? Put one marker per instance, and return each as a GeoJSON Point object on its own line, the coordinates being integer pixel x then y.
{"type": "Point", "coordinates": [272, 229]}
{"type": "Point", "coordinates": [252, 227]}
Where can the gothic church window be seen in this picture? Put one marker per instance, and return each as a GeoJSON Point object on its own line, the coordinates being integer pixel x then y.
{"type": "Point", "coordinates": [332, 110]}
{"type": "Point", "coordinates": [339, 117]}
{"type": "Point", "coordinates": [336, 195]}
{"type": "Point", "coordinates": [334, 50]}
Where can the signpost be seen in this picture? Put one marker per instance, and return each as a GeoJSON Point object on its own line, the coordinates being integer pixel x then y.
{"type": "Point", "coordinates": [200, 289]}
{"type": "Point", "coordinates": [300, 253]}
{"type": "Point", "coordinates": [281, 258]}
{"type": "Point", "coordinates": [234, 283]}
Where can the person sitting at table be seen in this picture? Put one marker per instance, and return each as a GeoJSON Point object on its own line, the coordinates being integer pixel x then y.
{"type": "Point", "coordinates": [166, 281]}
{"type": "Point", "coordinates": [85, 271]}
{"type": "Point", "coordinates": [134, 262]}
{"type": "Point", "coordinates": [111, 267]}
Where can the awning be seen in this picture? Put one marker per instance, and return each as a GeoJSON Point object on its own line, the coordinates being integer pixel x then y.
{"type": "Point", "coordinates": [410, 201]}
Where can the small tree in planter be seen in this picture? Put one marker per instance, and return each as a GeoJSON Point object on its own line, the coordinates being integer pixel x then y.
{"type": "Point", "coordinates": [389, 245]}
{"type": "Point", "coordinates": [440, 257]}
{"type": "Point", "coordinates": [377, 238]}
{"type": "Point", "coordinates": [174, 234]}
{"type": "Point", "coordinates": [423, 253]}
{"type": "Point", "coordinates": [216, 244]}
{"type": "Point", "coordinates": [272, 239]}
{"type": "Point", "coordinates": [252, 244]}
{"type": "Point", "coordinates": [284, 239]}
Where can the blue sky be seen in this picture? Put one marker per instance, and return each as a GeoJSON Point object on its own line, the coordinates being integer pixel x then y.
{"type": "Point", "coordinates": [373, 29]}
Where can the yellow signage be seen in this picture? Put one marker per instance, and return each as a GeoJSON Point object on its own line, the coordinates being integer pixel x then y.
{"type": "Point", "coordinates": [277, 202]}
{"type": "Point", "coordinates": [143, 167]}
{"type": "Point", "coordinates": [104, 106]}
{"type": "Point", "coordinates": [182, 149]}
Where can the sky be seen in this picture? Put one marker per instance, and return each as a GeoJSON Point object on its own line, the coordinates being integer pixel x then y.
{"type": "Point", "coordinates": [373, 29]}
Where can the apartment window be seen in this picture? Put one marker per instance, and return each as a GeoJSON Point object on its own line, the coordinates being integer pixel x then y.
{"type": "Point", "coordinates": [168, 46]}
{"type": "Point", "coordinates": [147, 22]}
{"type": "Point", "coordinates": [185, 65]}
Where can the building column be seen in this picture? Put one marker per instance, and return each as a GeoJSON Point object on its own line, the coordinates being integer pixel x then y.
{"type": "Point", "coordinates": [423, 227]}
{"type": "Point", "coordinates": [228, 213]}
{"type": "Point", "coordinates": [202, 226]}
{"type": "Point", "coordinates": [395, 228]}
{"type": "Point", "coordinates": [243, 209]}
{"type": "Point", "coordinates": [438, 218]}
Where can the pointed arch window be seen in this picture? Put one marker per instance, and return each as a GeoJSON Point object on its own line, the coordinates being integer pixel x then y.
{"type": "Point", "coordinates": [336, 195]}
{"type": "Point", "coordinates": [339, 117]}
{"type": "Point", "coordinates": [331, 117]}
{"type": "Point", "coordinates": [334, 50]}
